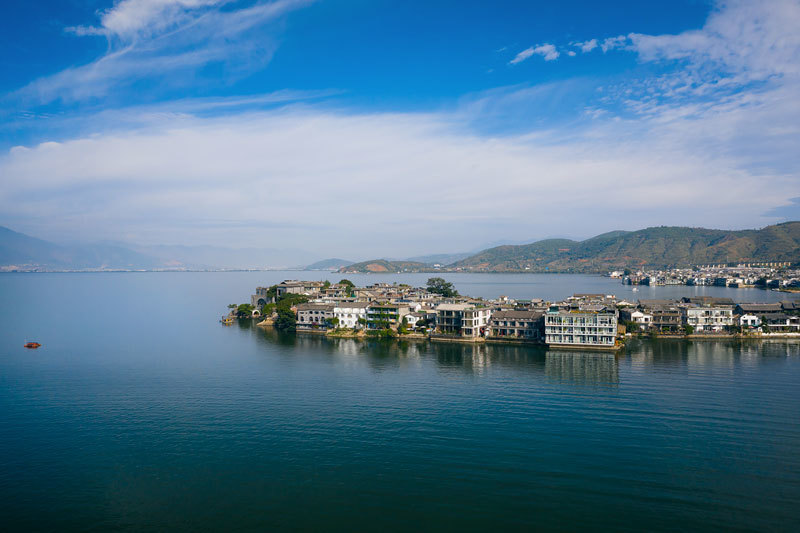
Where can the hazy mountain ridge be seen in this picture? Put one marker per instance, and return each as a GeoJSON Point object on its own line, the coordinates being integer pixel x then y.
{"type": "Point", "coordinates": [384, 266]}
{"type": "Point", "coordinates": [329, 264]}
{"type": "Point", "coordinates": [653, 247]}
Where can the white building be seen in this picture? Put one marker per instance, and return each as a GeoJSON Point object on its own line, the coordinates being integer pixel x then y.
{"type": "Point", "coordinates": [580, 328]}
{"type": "Point", "coordinates": [710, 318]}
{"type": "Point", "coordinates": [643, 319]}
{"type": "Point", "coordinates": [749, 321]}
{"type": "Point", "coordinates": [349, 314]}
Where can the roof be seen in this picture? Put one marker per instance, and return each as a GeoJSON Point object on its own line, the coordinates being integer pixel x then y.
{"type": "Point", "coordinates": [517, 315]}
{"type": "Point", "coordinates": [351, 305]}
{"type": "Point", "coordinates": [760, 307]}
{"type": "Point", "coordinates": [453, 307]}
{"type": "Point", "coordinates": [315, 307]}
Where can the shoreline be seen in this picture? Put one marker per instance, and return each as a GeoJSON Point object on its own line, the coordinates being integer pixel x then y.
{"type": "Point", "coordinates": [620, 345]}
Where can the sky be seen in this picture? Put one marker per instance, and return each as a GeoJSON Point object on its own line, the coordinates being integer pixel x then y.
{"type": "Point", "coordinates": [379, 128]}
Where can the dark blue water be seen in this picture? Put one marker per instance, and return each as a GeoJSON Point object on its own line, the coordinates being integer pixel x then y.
{"type": "Point", "coordinates": [142, 412]}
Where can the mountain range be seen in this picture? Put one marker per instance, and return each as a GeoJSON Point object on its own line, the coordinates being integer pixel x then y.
{"type": "Point", "coordinates": [656, 247]}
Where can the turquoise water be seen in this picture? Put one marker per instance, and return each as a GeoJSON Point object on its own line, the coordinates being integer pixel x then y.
{"type": "Point", "coordinates": [140, 411]}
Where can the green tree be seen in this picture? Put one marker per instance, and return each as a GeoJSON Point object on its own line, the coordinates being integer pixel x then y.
{"type": "Point", "coordinates": [347, 283]}
{"type": "Point", "coordinates": [333, 322]}
{"type": "Point", "coordinates": [244, 310]}
{"type": "Point", "coordinates": [688, 329]}
{"type": "Point", "coordinates": [442, 287]}
{"type": "Point", "coordinates": [286, 321]}
{"type": "Point", "coordinates": [291, 299]}
{"type": "Point", "coordinates": [326, 284]}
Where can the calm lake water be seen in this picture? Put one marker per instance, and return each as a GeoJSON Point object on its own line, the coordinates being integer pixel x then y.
{"type": "Point", "coordinates": [141, 411]}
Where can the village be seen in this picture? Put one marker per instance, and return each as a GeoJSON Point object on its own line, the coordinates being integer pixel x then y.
{"type": "Point", "coordinates": [437, 312]}
{"type": "Point", "coordinates": [778, 276]}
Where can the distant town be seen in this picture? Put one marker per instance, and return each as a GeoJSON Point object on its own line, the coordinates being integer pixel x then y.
{"type": "Point", "coordinates": [777, 275]}
{"type": "Point", "coordinates": [438, 313]}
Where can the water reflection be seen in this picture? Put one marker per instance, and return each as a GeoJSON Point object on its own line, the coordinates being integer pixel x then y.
{"type": "Point", "coordinates": [582, 368]}
{"type": "Point", "coordinates": [574, 367]}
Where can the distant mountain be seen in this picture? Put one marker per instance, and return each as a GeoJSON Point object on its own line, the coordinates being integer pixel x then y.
{"type": "Point", "coordinates": [440, 259]}
{"type": "Point", "coordinates": [383, 265]}
{"type": "Point", "coordinates": [657, 247]}
{"type": "Point", "coordinates": [23, 252]}
{"type": "Point", "coordinates": [216, 257]}
{"type": "Point", "coordinates": [329, 264]}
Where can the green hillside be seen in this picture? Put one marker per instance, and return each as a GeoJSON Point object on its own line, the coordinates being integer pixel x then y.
{"type": "Point", "coordinates": [652, 247]}
{"type": "Point", "coordinates": [383, 265]}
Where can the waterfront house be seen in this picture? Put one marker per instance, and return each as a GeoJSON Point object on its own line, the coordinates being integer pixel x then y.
{"type": "Point", "coordinates": [709, 317]}
{"type": "Point", "coordinates": [576, 328]}
{"type": "Point", "coordinates": [385, 315]}
{"type": "Point", "coordinates": [314, 315]}
{"type": "Point", "coordinates": [749, 321]}
{"type": "Point", "coordinates": [350, 313]}
{"type": "Point", "coordinates": [517, 324]}
{"type": "Point", "coordinates": [462, 319]}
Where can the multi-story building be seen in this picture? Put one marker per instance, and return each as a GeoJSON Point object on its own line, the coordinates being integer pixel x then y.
{"type": "Point", "coordinates": [475, 321]}
{"type": "Point", "coordinates": [462, 319]}
{"type": "Point", "coordinates": [666, 314]}
{"type": "Point", "coordinates": [385, 315]}
{"type": "Point", "coordinates": [293, 286]}
{"type": "Point", "coordinates": [597, 329]}
{"type": "Point", "coordinates": [709, 317]}
{"type": "Point", "coordinates": [314, 315]}
{"type": "Point", "coordinates": [351, 315]}
{"type": "Point", "coordinates": [517, 324]}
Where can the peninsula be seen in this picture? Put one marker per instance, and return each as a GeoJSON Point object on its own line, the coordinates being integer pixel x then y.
{"type": "Point", "coordinates": [439, 313]}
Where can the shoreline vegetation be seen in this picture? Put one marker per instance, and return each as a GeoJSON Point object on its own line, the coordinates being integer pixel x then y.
{"type": "Point", "coordinates": [438, 313]}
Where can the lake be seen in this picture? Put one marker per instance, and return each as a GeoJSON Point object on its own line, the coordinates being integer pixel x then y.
{"type": "Point", "coordinates": [141, 411]}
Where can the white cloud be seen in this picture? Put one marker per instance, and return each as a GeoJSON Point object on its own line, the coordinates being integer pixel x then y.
{"type": "Point", "coordinates": [168, 42]}
{"type": "Point", "coordinates": [751, 40]}
{"type": "Point", "coordinates": [587, 46]}
{"type": "Point", "coordinates": [129, 19]}
{"type": "Point", "coordinates": [612, 43]}
{"type": "Point", "coordinates": [548, 51]}
{"type": "Point", "coordinates": [351, 178]}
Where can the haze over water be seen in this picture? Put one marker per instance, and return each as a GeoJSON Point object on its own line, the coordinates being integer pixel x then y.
{"type": "Point", "coordinates": [141, 411]}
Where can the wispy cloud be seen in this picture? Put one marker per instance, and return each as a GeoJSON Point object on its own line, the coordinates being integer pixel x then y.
{"type": "Point", "coordinates": [547, 51]}
{"type": "Point", "coordinates": [167, 43]}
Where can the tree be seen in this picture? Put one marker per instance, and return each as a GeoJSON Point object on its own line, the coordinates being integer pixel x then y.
{"type": "Point", "coordinates": [347, 283]}
{"type": "Point", "coordinates": [333, 322]}
{"type": "Point", "coordinates": [688, 329]}
{"type": "Point", "coordinates": [244, 310]}
{"type": "Point", "coordinates": [442, 287]}
{"type": "Point", "coordinates": [326, 284]}
{"type": "Point", "coordinates": [286, 321]}
{"type": "Point", "coordinates": [291, 299]}
{"type": "Point", "coordinates": [272, 292]}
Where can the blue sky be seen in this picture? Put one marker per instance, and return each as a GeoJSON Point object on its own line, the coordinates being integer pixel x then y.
{"type": "Point", "coordinates": [389, 128]}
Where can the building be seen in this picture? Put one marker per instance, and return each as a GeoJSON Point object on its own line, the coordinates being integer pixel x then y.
{"type": "Point", "coordinates": [314, 315]}
{"type": "Point", "coordinates": [710, 317]}
{"type": "Point", "coordinates": [260, 298]}
{"type": "Point", "coordinates": [666, 314]}
{"type": "Point", "coordinates": [517, 324]}
{"type": "Point", "coordinates": [462, 319]}
{"type": "Point", "coordinates": [580, 328]}
{"type": "Point", "coordinates": [293, 286]}
{"type": "Point", "coordinates": [385, 315]}
{"type": "Point", "coordinates": [351, 315]}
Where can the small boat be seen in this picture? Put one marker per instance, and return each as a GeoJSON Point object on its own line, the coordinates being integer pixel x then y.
{"type": "Point", "coordinates": [227, 320]}
{"type": "Point", "coordinates": [32, 345]}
